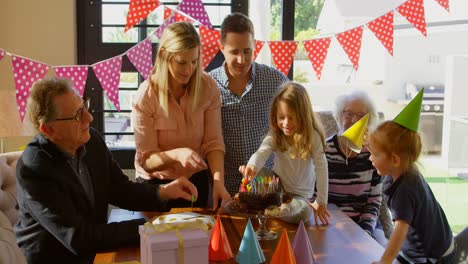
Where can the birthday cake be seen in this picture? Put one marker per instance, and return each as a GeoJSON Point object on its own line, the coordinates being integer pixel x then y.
{"type": "Point", "coordinates": [260, 192]}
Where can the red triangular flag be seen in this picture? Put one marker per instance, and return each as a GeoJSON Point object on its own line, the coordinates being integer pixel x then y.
{"type": "Point", "coordinates": [108, 74]}
{"type": "Point", "coordinates": [351, 42]}
{"type": "Point", "coordinates": [283, 252]}
{"type": "Point", "coordinates": [139, 10]}
{"type": "Point", "coordinates": [283, 54]}
{"type": "Point", "coordinates": [444, 4]}
{"type": "Point", "coordinates": [181, 18]}
{"type": "Point", "coordinates": [317, 50]}
{"type": "Point", "coordinates": [2, 54]}
{"type": "Point", "coordinates": [383, 30]}
{"type": "Point", "coordinates": [140, 55]}
{"type": "Point", "coordinates": [25, 73]}
{"type": "Point", "coordinates": [413, 11]}
{"type": "Point", "coordinates": [195, 9]}
{"type": "Point", "coordinates": [219, 249]}
{"type": "Point", "coordinates": [210, 39]}
{"type": "Point", "coordinates": [258, 47]}
{"type": "Point", "coordinates": [167, 12]}
{"type": "Point", "coordinates": [77, 74]}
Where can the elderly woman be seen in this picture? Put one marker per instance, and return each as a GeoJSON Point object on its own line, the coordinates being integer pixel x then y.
{"type": "Point", "coordinates": [177, 119]}
{"type": "Point", "coordinates": [354, 184]}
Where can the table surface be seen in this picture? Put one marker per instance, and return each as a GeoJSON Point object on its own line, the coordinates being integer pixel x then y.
{"type": "Point", "coordinates": [342, 241]}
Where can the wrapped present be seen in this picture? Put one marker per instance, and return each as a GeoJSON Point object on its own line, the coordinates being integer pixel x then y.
{"type": "Point", "coordinates": [176, 238]}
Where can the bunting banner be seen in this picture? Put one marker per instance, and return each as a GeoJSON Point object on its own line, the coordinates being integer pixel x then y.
{"type": "Point", "coordinates": [108, 74]}
{"type": "Point", "coordinates": [383, 30]}
{"type": "Point", "coordinates": [140, 56]}
{"type": "Point", "coordinates": [25, 73]}
{"type": "Point", "coordinates": [413, 11]}
{"type": "Point", "coordinates": [139, 10]}
{"type": "Point", "coordinates": [2, 54]}
{"type": "Point", "coordinates": [181, 18]}
{"type": "Point", "coordinates": [317, 50]}
{"type": "Point", "coordinates": [210, 44]}
{"type": "Point", "coordinates": [444, 4]}
{"type": "Point", "coordinates": [195, 9]}
{"type": "Point", "coordinates": [351, 42]}
{"type": "Point", "coordinates": [77, 74]}
{"type": "Point", "coordinates": [168, 19]}
{"type": "Point", "coordinates": [258, 47]}
{"type": "Point", "coordinates": [283, 54]}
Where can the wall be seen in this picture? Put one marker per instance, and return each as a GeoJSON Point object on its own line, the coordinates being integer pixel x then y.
{"type": "Point", "coordinates": [41, 30]}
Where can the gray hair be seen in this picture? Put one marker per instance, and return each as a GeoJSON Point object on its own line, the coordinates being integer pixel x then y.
{"type": "Point", "coordinates": [358, 95]}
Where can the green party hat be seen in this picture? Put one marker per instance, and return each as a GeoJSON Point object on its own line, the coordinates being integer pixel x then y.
{"type": "Point", "coordinates": [409, 116]}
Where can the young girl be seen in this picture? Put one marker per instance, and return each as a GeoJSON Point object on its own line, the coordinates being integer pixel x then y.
{"type": "Point", "coordinates": [422, 233]}
{"type": "Point", "coordinates": [297, 140]}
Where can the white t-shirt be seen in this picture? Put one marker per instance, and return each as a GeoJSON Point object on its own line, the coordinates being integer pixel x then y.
{"type": "Point", "coordinates": [297, 175]}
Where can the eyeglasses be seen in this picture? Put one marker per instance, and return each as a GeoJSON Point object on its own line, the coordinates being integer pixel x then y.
{"type": "Point", "coordinates": [79, 114]}
{"type": "Point", "coordinates": [350, 115]}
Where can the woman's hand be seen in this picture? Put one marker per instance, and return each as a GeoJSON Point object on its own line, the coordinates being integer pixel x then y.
{"type": "Point", "coordinates": [190, 159]}
{"type": "Point", "coordinates": [248, 171]}
{"type": "Point", "coordinates": [321, 212]}
{"type": "Point", "coordinates": [219, 192]}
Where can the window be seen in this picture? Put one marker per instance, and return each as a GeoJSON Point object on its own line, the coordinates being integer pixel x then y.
{"type": "Point", "coordinates": [100, 27]}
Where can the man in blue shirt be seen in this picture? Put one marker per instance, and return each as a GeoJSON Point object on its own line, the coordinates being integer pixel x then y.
{"type": "Point", "coordinates": [246, 91]}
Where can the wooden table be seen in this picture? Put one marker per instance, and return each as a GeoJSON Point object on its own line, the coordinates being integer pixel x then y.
{"type": "Point", "coordinates": [342, 241]}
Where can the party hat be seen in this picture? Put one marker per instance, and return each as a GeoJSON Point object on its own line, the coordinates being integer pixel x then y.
{"type": "Point", "coordinates": [409, 116]}
{"type": "Point", "coordinates": [283, 253]}
{"type": "Point", "coordinates": [354, 135]}
{"type": "Point", "coordinates": [250, 251]}
{"type": "Point", "coordinates": [301, 246]}
{"type": "Point", "coordinates": [219, 249]}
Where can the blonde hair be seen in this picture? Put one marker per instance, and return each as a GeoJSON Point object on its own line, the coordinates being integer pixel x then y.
{"type": "Point", "coordinates": [295, 96]}
{"type": "Point", "coordinates": [177, 37]}
{"type": "Point", "coordinates": [41, 108]}
{"type": "Point", "coordinates": [393, 138]}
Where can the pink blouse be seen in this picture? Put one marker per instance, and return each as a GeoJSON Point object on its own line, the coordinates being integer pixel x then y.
{"type": "Point", "coordinates": [198, 129]}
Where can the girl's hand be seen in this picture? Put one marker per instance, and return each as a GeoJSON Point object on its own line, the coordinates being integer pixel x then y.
{"type": "Point", "coordinates": [190, 159]}
{"type": "Point", "coordinates": [248, 171]}
{"type": "Point", "coordinates": [321, 212]}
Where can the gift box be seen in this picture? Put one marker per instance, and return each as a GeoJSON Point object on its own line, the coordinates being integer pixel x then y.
{"type": "Point", "coordinates": [174, 243]}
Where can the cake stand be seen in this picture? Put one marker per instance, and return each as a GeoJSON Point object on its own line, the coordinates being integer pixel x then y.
{"type": "Point", "coordinates": [233, 207]}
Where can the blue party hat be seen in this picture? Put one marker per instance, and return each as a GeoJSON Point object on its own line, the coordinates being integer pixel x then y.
{"type": "Point", "coordinates": [250, 251]}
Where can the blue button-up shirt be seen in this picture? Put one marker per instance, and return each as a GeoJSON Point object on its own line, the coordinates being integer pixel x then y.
{"type": "Point", "coordinates": [245, 118]}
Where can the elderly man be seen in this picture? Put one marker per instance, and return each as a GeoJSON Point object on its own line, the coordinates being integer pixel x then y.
{"type": "Point", "coordinates": [247, 89]}
{"type": "Point", "coordinates": [66, 179]}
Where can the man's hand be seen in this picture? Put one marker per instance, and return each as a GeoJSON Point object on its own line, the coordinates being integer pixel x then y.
{"type": "Point", "coordinates": [190, 159]}
{"type": "Point", "coordinates": [248, 171]}
{"type": "Point", "coordinates": [321, 212]}
{"type": "Point", "coordinates": [179, 188]}
{"type": "Point", "coordinates": [219, 192]}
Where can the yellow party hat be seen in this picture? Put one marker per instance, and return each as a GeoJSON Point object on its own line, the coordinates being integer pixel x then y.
{"type": "Point", "coordinates": [354, 135]}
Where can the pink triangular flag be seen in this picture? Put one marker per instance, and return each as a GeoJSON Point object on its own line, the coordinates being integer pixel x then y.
{"type": "Point", "coordinates": [2, 54]}
{"type": "Point", "coordinates": [317, 50]}
{"type": "Point", "coordinates": [195, 9]}
{"type": "Point", "coordinates": [25, 73]}
{"type": "Point", "coordinates": [301, 246]}
{"type": "Point", "coordinates": [140, 55]}
{"type": "Point", "coordinates": [283, 54]}
{"type": "Point", "coordinates": [383, 30]}
{"type": "Point", "coordinates": [167, 21]}
{"type": "Point", "coordinates": [258, 47]}
{"type": "Point", "coordinates": [77, 74]}
{"type": "Point", "coordinates": [108, 74]}
{"type": "Point", "coordinates": [210, 44]}
{"type": "Point", "coordinates": [444, 4]}
{"type": "Point", "coordinates": [351, 40]}
{"type": "Point", "coordinates": [139, 10]}
{"type": "Point", "coordinates": [413, 11]}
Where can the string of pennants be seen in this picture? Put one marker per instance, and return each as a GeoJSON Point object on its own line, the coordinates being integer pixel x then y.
{"type": "Point", "coordinates": [26, 71]}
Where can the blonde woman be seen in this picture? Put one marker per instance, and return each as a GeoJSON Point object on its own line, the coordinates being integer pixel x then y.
{"type": "Point", "coordinates": [177, 120]}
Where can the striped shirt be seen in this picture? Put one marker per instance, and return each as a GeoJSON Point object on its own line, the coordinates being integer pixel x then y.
{"type": "Point", "coordinates": [354, 186]}
{"type": "Point", "coordinates": [245, 118]}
